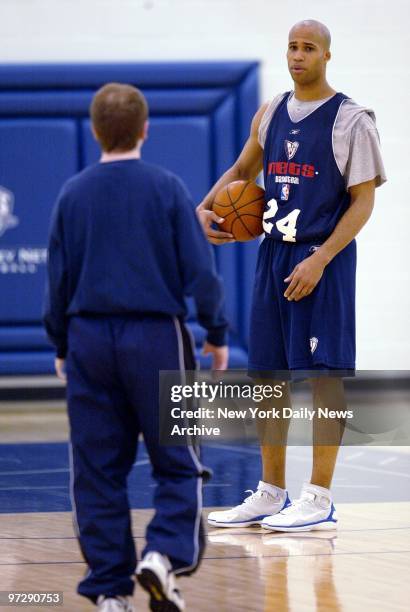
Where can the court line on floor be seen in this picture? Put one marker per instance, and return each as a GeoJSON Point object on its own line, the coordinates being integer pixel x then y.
{"type": "Point", "coordinates": [35, 488]}
{"type": "Point", "coordinates": [56, 470]}
{"type": "Point", "coordinates": [331, 554]}
{"type": "Point", "coordinates": [354, 456]}
{"type": "Point", "coordinates": [355, 486]}
{"type": "Point", "coordinates": [287, 556]}
{"type": "Point", "coordinates": [362, 468]}
{"type": "Point", "coordinates": [388, 460]}
{"type": "Point", "coordinates": [244, 533]}
{"type": "Point", "coordinates": [45, 487]}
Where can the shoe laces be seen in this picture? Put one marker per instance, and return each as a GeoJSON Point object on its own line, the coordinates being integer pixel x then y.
{"type": "Point", "coordinates": [307, 499]}
{"type": "Point", "coordinates": [254, 495]}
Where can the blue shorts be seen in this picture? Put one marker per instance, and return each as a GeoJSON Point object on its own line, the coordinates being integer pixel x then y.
{"type": "Point", "coordinates": [318, 332]}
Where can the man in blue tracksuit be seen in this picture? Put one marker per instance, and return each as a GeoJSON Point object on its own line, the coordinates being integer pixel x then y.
{"type": "Point", "coordinates": [125, 248]}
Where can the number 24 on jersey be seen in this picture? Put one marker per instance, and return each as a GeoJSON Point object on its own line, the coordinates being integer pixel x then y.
{"type": "Point", "coordinates": [286, 225]}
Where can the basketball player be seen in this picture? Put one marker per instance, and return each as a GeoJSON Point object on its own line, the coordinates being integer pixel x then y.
{"type": "Point", "coordinates": [125, 247]}
{"type": "Point", "coordinates": [319, 151]}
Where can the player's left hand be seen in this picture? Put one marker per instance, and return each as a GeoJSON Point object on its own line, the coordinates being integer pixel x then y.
{"type": "Point", "coordinates": [304, 278]}
{"type": "Point", "coordinates": [59, 365]}
{"type": "Point", "coordinates": [220, 355]}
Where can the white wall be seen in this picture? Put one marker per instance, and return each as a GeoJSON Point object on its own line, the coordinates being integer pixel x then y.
{"type": "Point", "coordinates": [370, 63]}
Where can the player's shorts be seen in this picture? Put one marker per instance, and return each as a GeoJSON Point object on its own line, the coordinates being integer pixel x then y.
{"type": "Point", "coordinates": [315, 333]}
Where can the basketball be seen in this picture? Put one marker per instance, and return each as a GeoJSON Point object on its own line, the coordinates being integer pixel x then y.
{"type": "Point", "coordinates": [241, 204]}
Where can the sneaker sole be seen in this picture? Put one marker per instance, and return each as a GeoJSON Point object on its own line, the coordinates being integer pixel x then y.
{"type": "Point", "coordinates": [326, 526]}
{"type": "Point", "coordinates": [158, 600]}
{"type": "Point", "coordinates": [233, 525]}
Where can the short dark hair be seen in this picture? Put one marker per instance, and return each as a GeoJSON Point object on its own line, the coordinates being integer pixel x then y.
{"type": "Point", "coordinates": [118, 113]}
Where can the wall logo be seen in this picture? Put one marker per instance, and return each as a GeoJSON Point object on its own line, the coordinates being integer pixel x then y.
{"type": "Point", "coordinates": [7, 219]}
{"type": "Point", "coordinates": [313, 344]}
{"type": "Point", "coordinates": [291, 148]}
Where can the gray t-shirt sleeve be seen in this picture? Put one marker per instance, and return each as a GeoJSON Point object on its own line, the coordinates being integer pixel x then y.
{"type": "Point", "coordinates": [266, 119]}
{"type": "Point", "coordinates": [364, 161]}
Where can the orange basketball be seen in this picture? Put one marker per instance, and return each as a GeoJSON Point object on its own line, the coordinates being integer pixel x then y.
{"type": "Point", "coordinates": [241, 204]}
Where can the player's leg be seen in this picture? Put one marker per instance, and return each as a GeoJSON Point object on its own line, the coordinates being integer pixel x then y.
{"type": "Point", "coordinates": [325, 342]}
{"type": "Point", "coordinates": [273, 436]}
{"type": "Point", "coordinates": [328, 392]}
{"type": "Point", "coordinates": [270, 496]}
{"type": "Point", "coordinates": [267, 353]}
{"type": "Point", "coordinates": [104, 435]}
{"type": "Point", "coordinates": [175, 535]}
{"type": "Point", "coordinates": [266, 356]}
{"type": "Point", "coordinates": [314, 509]}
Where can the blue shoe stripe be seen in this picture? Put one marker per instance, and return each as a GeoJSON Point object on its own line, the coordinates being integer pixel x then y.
{"type": "Point", "coordinates": [329, 519]}
{"type": "Point", "coordinates": [287, 502]}
{"type": "Point", "coordinates": [332, 511]}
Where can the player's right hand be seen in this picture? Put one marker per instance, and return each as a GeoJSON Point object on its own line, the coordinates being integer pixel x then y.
{"type": "Point", "coordinates": [206, 218]}
{"type": "Point", "coordinates": [220, 355]}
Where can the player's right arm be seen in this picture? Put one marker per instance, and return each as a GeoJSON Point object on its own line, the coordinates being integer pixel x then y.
{"type": "Point", "coordinates": [55, 305]}
{"type": "Point", "coordinates": [247, 167]}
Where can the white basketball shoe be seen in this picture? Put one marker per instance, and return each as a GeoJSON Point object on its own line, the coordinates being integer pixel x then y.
{"type": "Point", "coordinates": [267, 500]}
{"type": "Point", "coordinates": [154, 574]}
{"type": "Point", "coordinates": [314, 510]}
{"type": "Point", "coordinates": [118, 603]}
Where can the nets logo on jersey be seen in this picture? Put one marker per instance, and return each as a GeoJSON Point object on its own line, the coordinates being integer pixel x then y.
{"type": "Point", "coordinates": [291, 148]}
{"type": "Point", "coordinates": [7, 219]}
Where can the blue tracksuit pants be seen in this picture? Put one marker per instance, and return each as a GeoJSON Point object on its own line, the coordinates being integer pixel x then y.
{"type": "Point", "coordinates": [112, 392]}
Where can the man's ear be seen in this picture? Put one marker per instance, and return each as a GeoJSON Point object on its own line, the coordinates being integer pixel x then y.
{"type": "Point", "coordinates": [94, 132]}
{"type": "Point", "coordinates": [145, 130]}
{"type": "Point", "coordinates": [328, 56]}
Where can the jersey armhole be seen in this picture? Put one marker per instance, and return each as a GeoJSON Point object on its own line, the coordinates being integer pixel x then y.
{"type": "Point", "coordinates": [333, 130]}
{"type": "Point", "coordinates": [282, 97]}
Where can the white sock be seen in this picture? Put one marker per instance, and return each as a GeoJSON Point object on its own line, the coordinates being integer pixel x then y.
{"type": "Point", "coordinates": [317, 489]}
{"type": "Point", "coordinates": [272, 489]}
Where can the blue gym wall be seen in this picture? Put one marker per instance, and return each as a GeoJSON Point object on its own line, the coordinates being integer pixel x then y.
{"type": "Point", "coordinates": [200, 115]}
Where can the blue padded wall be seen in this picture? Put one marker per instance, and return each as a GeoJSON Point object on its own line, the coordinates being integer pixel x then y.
{"type": "Point", "coordinates": [36, 157]}
{"type": "Point", "coordinates": [200, 115]}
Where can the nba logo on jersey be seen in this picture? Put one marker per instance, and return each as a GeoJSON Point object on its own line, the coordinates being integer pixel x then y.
{"type": "Point", "coordinates": [284, 192]}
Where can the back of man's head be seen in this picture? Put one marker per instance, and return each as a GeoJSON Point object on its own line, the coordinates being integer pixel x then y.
{"type": "Point", "coordinates": [118, 114]}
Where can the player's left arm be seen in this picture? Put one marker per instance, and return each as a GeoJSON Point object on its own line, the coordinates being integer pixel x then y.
{"type": "Point", "coordinates": [306, 275]}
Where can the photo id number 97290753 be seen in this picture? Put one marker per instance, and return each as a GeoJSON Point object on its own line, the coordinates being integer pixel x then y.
{"type": "Point", "coordinates": [31, 598]}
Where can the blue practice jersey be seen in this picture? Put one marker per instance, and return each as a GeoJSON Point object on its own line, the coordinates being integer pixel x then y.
{"type": "Point", "coordinates": [304, 190]}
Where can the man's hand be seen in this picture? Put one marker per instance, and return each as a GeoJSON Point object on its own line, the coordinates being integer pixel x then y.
{"type": "Point", "coordinates": [219, 354]}
{"type": "Point", "coordinates": [207, 217]}
{"type": "Point", "coordinates": [59, 365]}
{"type": "Point", "coordinates": [304, 277]}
